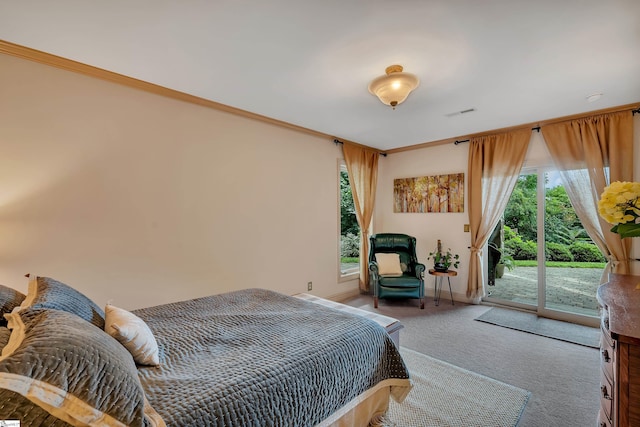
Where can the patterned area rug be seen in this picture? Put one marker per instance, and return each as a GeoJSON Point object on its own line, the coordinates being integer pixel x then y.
{"type": "Point", "coordinates": [445, 395]}
{"type": "Point", "coordinates": [530, 322]}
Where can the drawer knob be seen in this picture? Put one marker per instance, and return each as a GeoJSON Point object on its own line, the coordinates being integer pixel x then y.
{"type": "Point", "coordinates": [605, 393]}
{"type": "Point", "coordinates": [605, 355]}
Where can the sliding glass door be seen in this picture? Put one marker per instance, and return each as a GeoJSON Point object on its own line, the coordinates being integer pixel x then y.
{"type": "Point", "coordinates": [574, 264]}
{"type": "Point", "coordinates": [540, 258]}
{"type": "Point", "coordinates": [512, 249]}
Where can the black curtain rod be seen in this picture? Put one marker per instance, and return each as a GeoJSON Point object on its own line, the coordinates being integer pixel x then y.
{"type": "Point", "coordinates": [337, 141]}
{"type": "Point", "coordinates": [456, 142]}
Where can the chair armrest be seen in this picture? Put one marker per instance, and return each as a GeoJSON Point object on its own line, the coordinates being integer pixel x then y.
{"type": "Point", "coordinates": [373, 277]}
{"type": "Point", "coordinates": [420, 268]}
{"type": "Point", "coordinates": [373, 267]}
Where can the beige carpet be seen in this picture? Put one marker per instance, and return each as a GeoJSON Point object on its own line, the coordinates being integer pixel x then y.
{"type": "Point", "coordinates": [444, 395]}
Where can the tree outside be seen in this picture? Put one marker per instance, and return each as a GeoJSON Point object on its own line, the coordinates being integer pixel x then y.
{"type": "Point", "coordinates": [566, 240]}
{"type": "Point", "coordinates": [349, 228]}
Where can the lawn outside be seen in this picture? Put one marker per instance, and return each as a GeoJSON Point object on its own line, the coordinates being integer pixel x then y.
{"type": "Point", "coordinates": [349, 264]}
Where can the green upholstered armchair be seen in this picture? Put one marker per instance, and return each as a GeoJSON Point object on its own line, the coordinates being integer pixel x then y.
{"type": "Point", "coordinates": [389, 280]}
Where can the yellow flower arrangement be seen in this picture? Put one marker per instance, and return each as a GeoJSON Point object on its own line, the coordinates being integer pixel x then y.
{"type": "Point", "coordinates": [620, 205]}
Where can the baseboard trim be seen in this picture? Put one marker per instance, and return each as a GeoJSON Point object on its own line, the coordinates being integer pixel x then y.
{"type": "Point", "coordinates": [343, 296]}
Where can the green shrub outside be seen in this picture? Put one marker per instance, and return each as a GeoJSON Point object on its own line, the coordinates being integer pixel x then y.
{"type": "Point", "coordinates": [558, 252]}
{"type": "Point", "coordinates": [578, 251]}
{"type": "Point", "coordinates": [520, 249]}
{"type": "Point", "coordinates": [509, 234]}
{"type": "Point", "coordinates": [349, 246]}
{"type": "Point", "coordinates": [586, 252]}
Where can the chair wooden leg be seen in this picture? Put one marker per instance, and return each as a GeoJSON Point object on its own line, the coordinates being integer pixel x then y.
{"type": "Point", "coordinates": [375, 302]}
{"type": "Point", "coordinates": [421, 303]}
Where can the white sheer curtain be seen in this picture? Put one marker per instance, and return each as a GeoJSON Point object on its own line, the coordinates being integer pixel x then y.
{"type": "Point", "coordinates": [495, 162]}
{"type": "Point", "coordinates": [590, 153]}
{"type": "Point", "coordinates": [584, 198]}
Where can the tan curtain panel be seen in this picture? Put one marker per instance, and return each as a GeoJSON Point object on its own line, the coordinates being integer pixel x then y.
{"type": "Point", "coordinates": [590, 153]}
{"type": "Point", "coordinates": [495, 162]}
{"type": "Point", "coordinates": [362, 165]}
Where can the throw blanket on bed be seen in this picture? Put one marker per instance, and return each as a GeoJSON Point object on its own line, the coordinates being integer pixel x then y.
{"type": "Point", "coordinates": [259, 358]}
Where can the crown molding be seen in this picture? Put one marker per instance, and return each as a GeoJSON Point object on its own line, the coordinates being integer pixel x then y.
{"type": "Point", "coordinates": [38, 56]}
{"type": "Point", "coordinates": [23, 52]}
{"type": "Point", "coordinates": [531, 125]}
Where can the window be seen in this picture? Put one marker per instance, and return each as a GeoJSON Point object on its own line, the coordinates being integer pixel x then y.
{"type": "Point", "coordinates": [349, 229]}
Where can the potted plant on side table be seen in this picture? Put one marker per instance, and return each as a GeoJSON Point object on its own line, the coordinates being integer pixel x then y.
{"type": "Point", "coordinates": [443, 260]}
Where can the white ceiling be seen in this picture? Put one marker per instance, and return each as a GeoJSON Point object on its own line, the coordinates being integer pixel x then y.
{"type": "Point", "coordinates": [309, 62]}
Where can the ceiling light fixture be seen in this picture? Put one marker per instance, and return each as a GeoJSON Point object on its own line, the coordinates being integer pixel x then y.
{"type": "Point", "coordinates": [394, 87]}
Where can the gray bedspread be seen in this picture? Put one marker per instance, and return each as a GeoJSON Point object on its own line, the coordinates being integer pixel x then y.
{"type": "Point", "coordinates": [259, 358]}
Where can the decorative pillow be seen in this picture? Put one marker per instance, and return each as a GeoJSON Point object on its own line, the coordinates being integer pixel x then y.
{"type": "Point", "coordinates": [9, 299]}
{"type": "Point", "coordinates": [388, 264]}
{"type": "Point", "coordinates": [73, 370]}
{"type": "Point", "coordinates": [45, 292]}
{"type": "Point", "coordinates": [133, 333]}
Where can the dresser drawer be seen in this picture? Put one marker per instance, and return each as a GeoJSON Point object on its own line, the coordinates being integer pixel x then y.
{"type": "Point", "coordinates": [603, 421]}
{"type": "Point", "coordinates": [607, 395]}
{"type": "Point", "coordinates": [604, 320]}
{"type": "Point", "coordinates": [607, 356]}
{"type": "Point", "coordinates": [605, 337]}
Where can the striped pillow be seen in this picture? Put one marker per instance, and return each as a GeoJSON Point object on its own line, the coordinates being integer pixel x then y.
{"type": "Point", "coordinates": [73, 370]}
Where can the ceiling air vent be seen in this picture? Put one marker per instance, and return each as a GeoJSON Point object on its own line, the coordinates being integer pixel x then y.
{"type": "Point", "coordinates": [459, 113]}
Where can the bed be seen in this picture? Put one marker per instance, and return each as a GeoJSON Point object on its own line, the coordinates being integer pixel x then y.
{"type": "Point", "coordinates": [253, 357]}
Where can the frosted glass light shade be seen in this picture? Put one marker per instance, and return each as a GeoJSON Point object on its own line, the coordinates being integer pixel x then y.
{"type": "Point", "coordinates": [394, 87]}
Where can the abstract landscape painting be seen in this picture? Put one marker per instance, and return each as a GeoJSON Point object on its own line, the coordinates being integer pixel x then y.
{"type": "Point", "coordinates": [438, 193]}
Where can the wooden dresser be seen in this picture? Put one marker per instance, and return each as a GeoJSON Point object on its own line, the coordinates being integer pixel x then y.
{"type": "Point", "coordinates": [620, 352]}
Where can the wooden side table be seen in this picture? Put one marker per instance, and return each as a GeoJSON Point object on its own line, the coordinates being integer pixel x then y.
{"type": "Point", "coordinates": [437, 286]}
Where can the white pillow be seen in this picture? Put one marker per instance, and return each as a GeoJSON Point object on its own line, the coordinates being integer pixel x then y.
{"type": "Point", "coordinates": [388, 264]}
{"type": "Point", "coordinates": [133, 333]}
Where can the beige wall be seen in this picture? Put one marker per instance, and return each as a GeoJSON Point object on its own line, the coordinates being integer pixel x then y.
{"type": "Point", "coordinates": [427, 228]}
{"type": "Point", "coordinates": [449, 227]}
{"type": "Point", "coordinates": [141, 199]}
